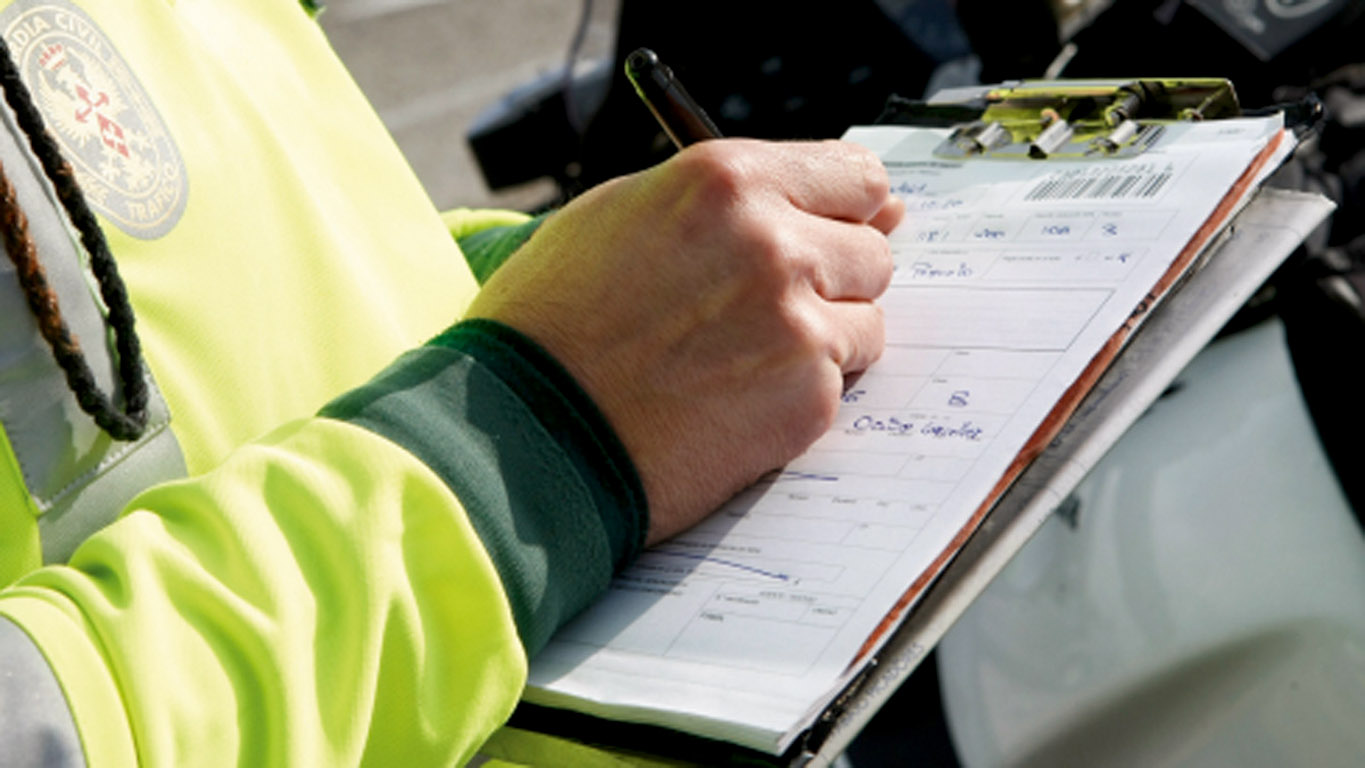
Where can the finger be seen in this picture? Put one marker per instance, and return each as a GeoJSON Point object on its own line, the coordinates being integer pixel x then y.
{"type": "Point", "coordinates": [849, 261]}
{"type": "Point", "coordinates": [890, 216]}
{"type": "Point", "coordinates": [836, 179]}
{"type": "Point", "coordinates": [857, 335]}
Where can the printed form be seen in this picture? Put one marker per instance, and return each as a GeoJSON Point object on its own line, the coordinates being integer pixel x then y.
{"type": "Point", "coordinates": [1010, 277]}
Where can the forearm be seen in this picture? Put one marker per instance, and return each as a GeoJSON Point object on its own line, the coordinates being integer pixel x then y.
{"type": "Point", "coordinates": [547, 485]}
{"type": "Point", "coordinates": [324, 597]}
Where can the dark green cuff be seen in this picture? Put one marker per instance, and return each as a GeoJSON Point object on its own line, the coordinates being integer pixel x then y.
{"type": "Point", "coordinates": [547, 484]}
{"type": "Point", "coordinates": [487, 249]}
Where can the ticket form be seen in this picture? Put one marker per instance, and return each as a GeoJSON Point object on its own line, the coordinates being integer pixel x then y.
{"type": "Point", "coordinates": [1011, 275]}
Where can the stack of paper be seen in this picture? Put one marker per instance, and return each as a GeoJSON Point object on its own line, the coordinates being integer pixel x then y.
{"type": "Point", "coordinates": [1016, 283]}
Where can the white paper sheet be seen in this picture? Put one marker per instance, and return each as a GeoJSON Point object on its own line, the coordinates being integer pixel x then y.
{"type": "Point", "coordinates": [1010, 277]}
{"type": "Point", "coordinates": [1262, 236]}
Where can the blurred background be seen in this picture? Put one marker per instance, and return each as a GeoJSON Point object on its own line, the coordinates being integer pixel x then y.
{"type": "Point", "coordinates": [521, 103]}
{"type": "Point", "coordinates": [431, 66]}
{"type": "Point", "coordinates": [434, 68]}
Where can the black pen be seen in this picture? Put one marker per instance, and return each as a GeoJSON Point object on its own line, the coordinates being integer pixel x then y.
{"type": "Point", "coordinates": [682, 118]}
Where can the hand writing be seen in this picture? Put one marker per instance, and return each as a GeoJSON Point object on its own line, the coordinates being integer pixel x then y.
{"type": "Point", "coordinates": [711, 307]}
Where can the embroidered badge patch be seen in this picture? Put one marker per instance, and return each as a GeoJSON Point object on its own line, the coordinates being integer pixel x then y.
{"type": "Point", "coordinates": [124, 157]}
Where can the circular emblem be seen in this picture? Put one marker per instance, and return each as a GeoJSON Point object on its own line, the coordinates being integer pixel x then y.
{"type": "Point", "coordinates": [124, 158]}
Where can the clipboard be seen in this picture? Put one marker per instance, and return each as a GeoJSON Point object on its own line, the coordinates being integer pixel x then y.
{"type": "Point", "coordinates": [1259, 239]}
{"type": "Point", "coordinates": [1028, 501]}
{"type": "Point", "coordinates": [1210, 294]}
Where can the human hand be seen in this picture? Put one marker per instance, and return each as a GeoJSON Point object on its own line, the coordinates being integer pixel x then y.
{"type": "Point", "coordinates": [711, 307]}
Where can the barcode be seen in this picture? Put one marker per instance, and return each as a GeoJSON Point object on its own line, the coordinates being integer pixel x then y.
{"type": "Point", "coordinates": [1112, 187]}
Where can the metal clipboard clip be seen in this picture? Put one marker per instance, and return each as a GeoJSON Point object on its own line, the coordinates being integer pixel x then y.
{"type": "Point", "coordinates": [1065, 119]}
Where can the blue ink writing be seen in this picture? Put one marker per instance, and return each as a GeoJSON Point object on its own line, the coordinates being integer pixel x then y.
{"type": "Point", "coordinates": [893, 425]}
{"type": "Point", "coordinates": [967, 431]}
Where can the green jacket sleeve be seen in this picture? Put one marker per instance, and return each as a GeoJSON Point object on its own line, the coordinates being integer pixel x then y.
{"type": "Point", "coordinates": [548, 486]}
{"type": "Point", "coordinates": [488, 238]}
{"type": "Point", "coordinates": [355, 588]}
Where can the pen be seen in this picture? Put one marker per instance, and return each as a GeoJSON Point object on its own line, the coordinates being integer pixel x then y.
{"type": "Point", "coordinates": [681, 118]}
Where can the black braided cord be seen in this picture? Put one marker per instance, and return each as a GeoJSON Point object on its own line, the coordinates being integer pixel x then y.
{"type": "Point", "coordinates": [130, 423]}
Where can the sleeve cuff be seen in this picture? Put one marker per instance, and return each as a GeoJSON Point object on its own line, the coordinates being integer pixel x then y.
{"type": "Point", "coordinates": [544, 479]}
{"type": "Point", "coordinates": [486, 249]}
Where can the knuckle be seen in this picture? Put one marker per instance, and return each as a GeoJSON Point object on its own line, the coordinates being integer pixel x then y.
{"type": "Point", "coordinates": [806, 337]}
{"type": "Point", "coordinates": [868, 173]}
{"type": "Point", "coordinates": [882, 261]}
{"type": "Point", "coordinates": [877, 336]}
{"type": "Point", "coordinates": [769, 245]}
{"type": "Point", "coordinates": [874, 172]}
{"type": "Point", "coordinates": [717, 170]}
{"type": "Point", "coordinates": [769, 253]}
{"type": "Point", "coordinates": [823, 408]}
{"type": "Point", "coordinates": [876, 185]}
{"type": "Point", "coordinates": [878, 179]}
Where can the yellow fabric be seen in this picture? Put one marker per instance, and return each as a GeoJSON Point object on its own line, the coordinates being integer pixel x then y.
{"type": "Point", "coordinates": [308, 255]}
{"type": "Point", "coordinates": [517, 748]}
{"type": "Point", "coordinates": [57, 627]}
{"type": "Point", "coordinates": [462, 222]}
{"type": "Point", "coordinates": [20, 549]}
{"type": "Point", "coordinates": [319, 599]}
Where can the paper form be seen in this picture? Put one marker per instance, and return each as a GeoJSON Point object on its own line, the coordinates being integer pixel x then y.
{"type": "Point", "coordinates": [1262, 236]}
{"type": "Point", "coordinates": [1010, 277]}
